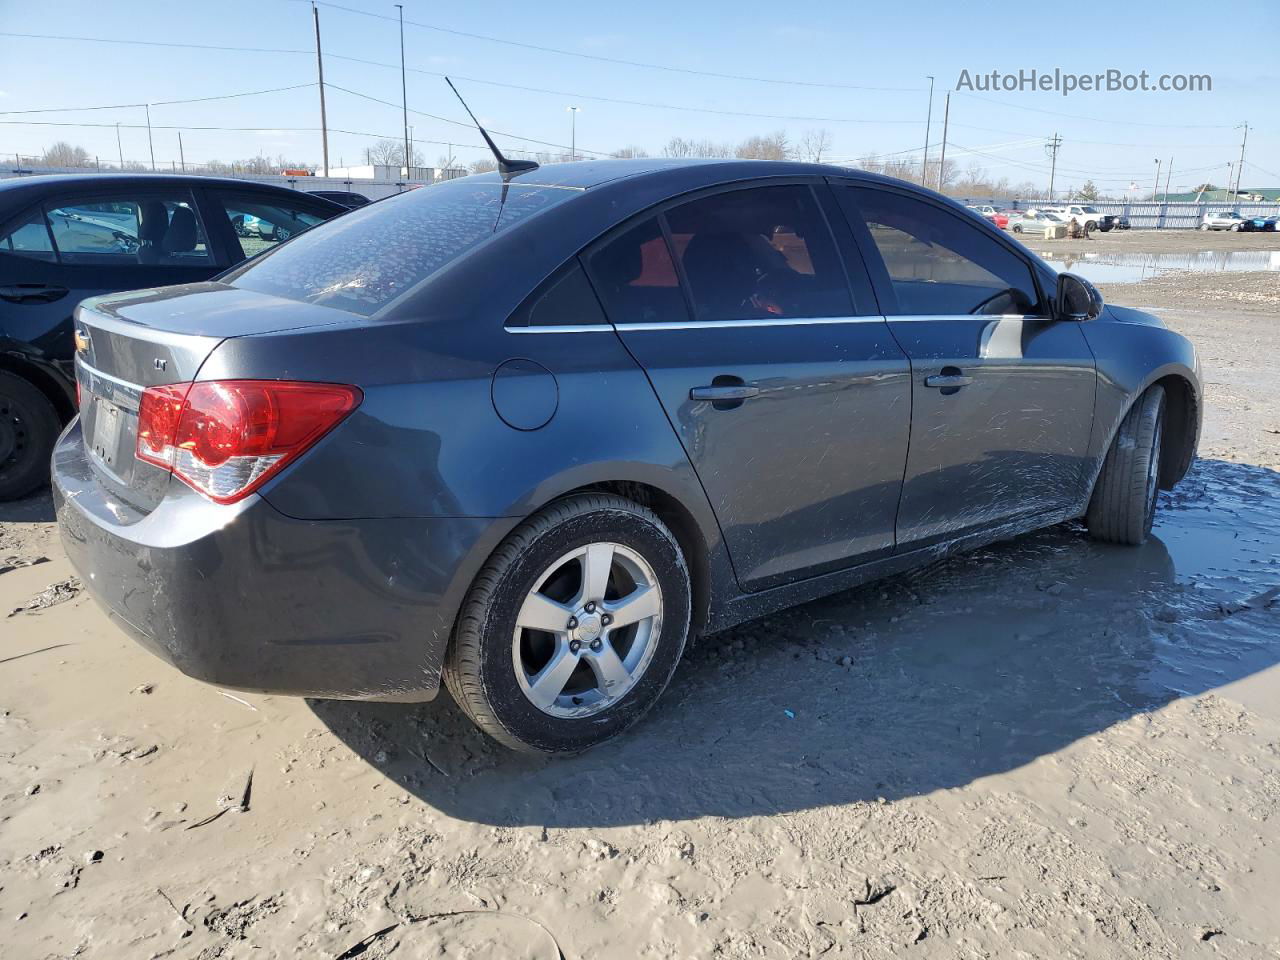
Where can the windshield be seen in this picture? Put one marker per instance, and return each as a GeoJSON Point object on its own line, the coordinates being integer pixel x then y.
{"type": "Point", "coordinates": [363, 260]}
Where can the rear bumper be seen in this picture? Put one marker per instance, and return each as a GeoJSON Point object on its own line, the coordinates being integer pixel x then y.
{"type": "Point", "coordinates": [245, 597]}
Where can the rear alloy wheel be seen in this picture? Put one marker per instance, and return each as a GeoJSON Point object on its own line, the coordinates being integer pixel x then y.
{"type": "Point", "coordinates": [1123, 505]}
{"type": "Point", "coordinates": [573, 628]}
{"type": "Point", "coordinates": [28, 429]}
{"type": "Point", "coordinates": [1235, 228]}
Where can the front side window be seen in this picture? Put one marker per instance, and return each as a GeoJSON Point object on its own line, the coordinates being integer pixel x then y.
{"type": "Point", "coordinates": [261, 224]}
{"type": "Point", "coordinates": [940, 264]}
{"type": "Point", "coordinates": [29, 237]}
{"type": "Point", "coordinates": [365, 259]}
{"type": "Point", "coordinates": [759, 253]}
{"type": "Point", "coordinates": [155, 230]}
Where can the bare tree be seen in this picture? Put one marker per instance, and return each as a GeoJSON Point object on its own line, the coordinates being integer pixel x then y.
{"type": "Point", "coordinates": [682, 147]}
{"type": "Point", "coordinates": [482, 166]}
{"type": "Point", "coordinates": [63, 154]}
{"type": "Point", "coordinates": [628, 153]}
{"type": "Point", "coordinates": [774, 146]}
{"type": "Point", "coordinates": [814, 145]}
{"type": "Point", "coordinates": [390, 153]}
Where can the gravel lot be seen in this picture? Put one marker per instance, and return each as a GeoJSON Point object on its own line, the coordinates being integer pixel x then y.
{"type": "Point", "coordinates": [1046, 749]}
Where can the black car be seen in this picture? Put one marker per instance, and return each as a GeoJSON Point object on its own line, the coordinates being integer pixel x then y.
{"type": "Point", "coordinates": [346, 198]}
{"type": "Point", "coordinates": [532, 431]}
{"type": "Point", "coordinates": [64, 238]}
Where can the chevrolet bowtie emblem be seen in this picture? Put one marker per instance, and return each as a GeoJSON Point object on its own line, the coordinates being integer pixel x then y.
{"type": "Point", "coordinates": [82, 341]}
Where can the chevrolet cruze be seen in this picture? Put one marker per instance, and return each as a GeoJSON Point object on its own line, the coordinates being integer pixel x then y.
{"type": "Point", "coordinates": [530, 432]}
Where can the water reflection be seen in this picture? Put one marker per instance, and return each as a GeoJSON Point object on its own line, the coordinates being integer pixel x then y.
{"type": "Point", "coordinates": [1110, 267]}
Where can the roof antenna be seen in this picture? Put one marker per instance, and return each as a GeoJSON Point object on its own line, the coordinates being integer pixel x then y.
{"type": "Point", "coordinates": [506, 167]}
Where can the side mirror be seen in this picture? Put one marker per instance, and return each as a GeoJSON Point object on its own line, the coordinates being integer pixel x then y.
{"type": "Point", "coordinates": [1076, 299]}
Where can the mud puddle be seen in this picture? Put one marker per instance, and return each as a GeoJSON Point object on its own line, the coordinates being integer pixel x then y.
{"type": "Point", "coordinates": [1116, 267]}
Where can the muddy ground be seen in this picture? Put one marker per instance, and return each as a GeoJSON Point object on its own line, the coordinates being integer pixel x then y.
{"type": "Point", "coordinates": [1049, 748]}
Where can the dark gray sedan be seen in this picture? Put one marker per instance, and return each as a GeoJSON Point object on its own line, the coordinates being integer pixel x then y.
{"type": "Point", "coordinates": [533, 433]}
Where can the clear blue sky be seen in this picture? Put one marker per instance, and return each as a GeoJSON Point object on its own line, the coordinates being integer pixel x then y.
{"type": "Point", "coordinates": [844, 43]}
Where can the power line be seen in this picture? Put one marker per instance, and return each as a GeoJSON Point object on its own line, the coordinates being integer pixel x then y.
{"type": "Point", "coordinates": [157, 103]}
{"type": "Point", "coordinates": [1076, 116]}
{"type": "Point", "coordinates": [614, 60]}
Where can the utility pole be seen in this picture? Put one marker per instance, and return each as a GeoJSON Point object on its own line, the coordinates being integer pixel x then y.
{"type": "Point", "coordinates": [1155, 191]}
{"type": "Point", "coordinates": [928, 125]}
{"type": "Point", "coordinates": [404, 96]}
{"type": "Point", "coordinates": [946, 122]}
{"type": "Point", "coordinates": [1168, 175]}
{"type": "Point", "coordinates": [118, 146]}
{"type": "Point", "coordinates": [324, 122]}
{"type": "Point", "coordinates": [573, 132]}
{"type": "Point", "coordinates": [182, 155]}
{"type": "Point", "coordinates": [150, 145]}
{"type": "Point", "coordinates": [1240, 167]}
{"type": "Point", "coordinates": [1053, 146]}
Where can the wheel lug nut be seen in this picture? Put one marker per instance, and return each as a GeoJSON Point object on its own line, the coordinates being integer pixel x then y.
{"type": "Point", "coordinates": [606, 619]}
{"type": "Point", "coordinates": [573, 623]}
{"type": "Point", "coordinates": [575, 646]}
{"type": "Point", "coordinates": [590, 607]}
{"type": "Point", "coordinates": [596, 645]}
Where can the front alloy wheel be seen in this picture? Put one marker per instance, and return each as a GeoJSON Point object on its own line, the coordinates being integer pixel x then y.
{"type": "Point", "coordinates": [573, 628]}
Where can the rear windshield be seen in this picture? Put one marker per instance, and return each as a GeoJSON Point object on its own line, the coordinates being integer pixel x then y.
{"type": "Point", "coordinates": [363, 260]}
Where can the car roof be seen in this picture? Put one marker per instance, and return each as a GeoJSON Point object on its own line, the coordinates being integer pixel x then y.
{"type": "Point", "coordinates": [586, 174]}
{"type": "Point", "coordinates": [19, 188]}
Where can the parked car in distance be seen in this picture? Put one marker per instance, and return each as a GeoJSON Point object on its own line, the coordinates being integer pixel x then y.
{"type": "Point", "coordinates": [1121, 222]}
{"type": "Point", "coordinates": [988, 212]}
{"type": "Point", "coordinates": [1226, 220]}
{"type": "Point", "coordinates": [1263, 223]}
{"type": "Point", "coordinates": [64, 238]}
{"type": "Point", "coordinates": [1034, 221]}
{"type": "Point", "coordinates": [533, 432]}
{"type": "Point", "coordinates": [1085, 215]}
{"type": "Point", "coordinates": [345, 198]}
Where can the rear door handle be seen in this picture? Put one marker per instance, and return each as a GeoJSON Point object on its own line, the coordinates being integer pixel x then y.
{"type": "Point", "coordinates": [32, 293]}
{"type": "Point", "coordinates": [945, 381]}
{"type": "Point", "coordinates": [735, 391]}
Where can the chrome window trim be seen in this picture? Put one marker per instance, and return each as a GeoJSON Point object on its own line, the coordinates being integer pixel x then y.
{"type": "Point", "coordinates": [699, 324]}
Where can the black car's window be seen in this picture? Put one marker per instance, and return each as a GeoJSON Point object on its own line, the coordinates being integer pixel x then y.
{"type": "Point", "coordinates": [636, 278]}
{"type": "Point", "coordinates": [29, 237]}
{"type": "Point", "coordinates": [364, 259]}
{"type": "Point", "coordinates": [151, 229]}
{"type": "Point", "coordinates": [260, 223]}
{"type": "Point", "coordinates": [940, 264]}
{"type": "Point", "coordinates": [564, 300]}
{"type": "Point", "coordinates": [759, 253]}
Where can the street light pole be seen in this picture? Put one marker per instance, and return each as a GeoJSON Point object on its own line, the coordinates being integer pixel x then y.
{"type": "Point", "coordinates": [150, 145]}
{"type": "Point", "coordinates": [404, 96]}
{"type": "Point", "coordinates": [119, 147]}
{"type": "Point", "coordinates": [1155, 191]}
{"type": "Point", "coordinates": [573, 132]}
{"type": "Point", "coordinates": [946, 121]}
{"type": "Point", "coordinates": [928, 125]}
{"type": "Point", "coordinates": [1240, 166]}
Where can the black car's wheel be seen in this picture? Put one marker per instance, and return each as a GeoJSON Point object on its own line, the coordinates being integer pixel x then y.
{"type": "Point", "coordinates": [1235, 228]}
{"type": "Point", "coordinates": [28, 428]}
{"type": "Point", "coordinates": [1123, 505]}
{"type": "Point", "coordinates": [573, 627]}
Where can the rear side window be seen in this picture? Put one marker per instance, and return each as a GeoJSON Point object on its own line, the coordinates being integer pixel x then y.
{"type": "Point", "coordinates": [151, 229]}
{"type": "Point", "coordinates": [564, 300]}
{"type": "Point", "coordinates": [260, 223]}
{"type": "Point", "coordinates": [364, 259]}
{"type": "Point", "coordinates": [940, 264]}
{"type": "Point", "coordinates": [29, 238]}
{"type": "Point", "coordinates": [759, 253]}
{"type": "Point", "coordinates": [636, 277]}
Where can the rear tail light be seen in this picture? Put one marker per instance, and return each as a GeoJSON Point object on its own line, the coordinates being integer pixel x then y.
{"type": "Point", "coordinates": [226, 438]}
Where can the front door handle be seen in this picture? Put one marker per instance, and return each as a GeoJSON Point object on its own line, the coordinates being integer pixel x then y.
{"type": "Point", "coordinates": [32, 293]}
{"type": "Point", "coordinates": [735, 391]}
{"type": "Point", "coordinates": [948, 381]}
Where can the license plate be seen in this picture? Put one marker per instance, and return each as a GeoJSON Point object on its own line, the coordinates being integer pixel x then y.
{"type": "Point", "coordinates": [106, 430]}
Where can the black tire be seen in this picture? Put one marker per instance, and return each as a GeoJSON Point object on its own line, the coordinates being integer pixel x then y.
{"type": "Point", "coordinates": [29, 427]}
{"type": "Point", "coordinates": [1123, 505]}
{"type": "Point", "coordinates": [479, 669]}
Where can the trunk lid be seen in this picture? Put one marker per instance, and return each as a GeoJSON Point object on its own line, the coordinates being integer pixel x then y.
{"type": "Point", "coordinates": [126, 342]}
